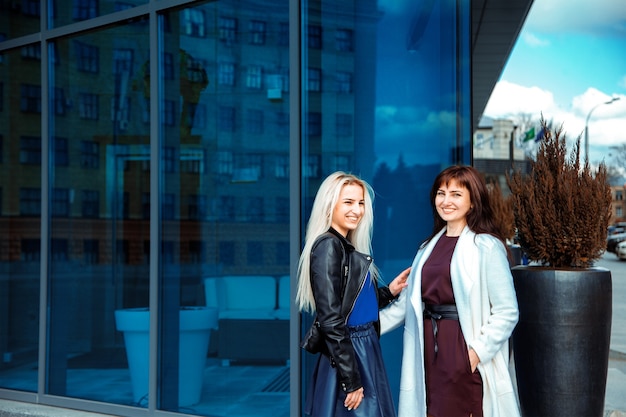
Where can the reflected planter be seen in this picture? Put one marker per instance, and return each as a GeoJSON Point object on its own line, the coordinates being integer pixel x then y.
{"type": "Point", "coordinates": [561, 343]}
{"type": "Point", "coordinates": [195, 330]}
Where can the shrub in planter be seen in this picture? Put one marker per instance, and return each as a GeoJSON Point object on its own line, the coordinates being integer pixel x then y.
{"type": "Point", "coordinates": [561, 343]}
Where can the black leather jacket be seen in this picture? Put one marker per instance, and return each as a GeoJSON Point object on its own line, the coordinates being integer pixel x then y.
{"type": "Point", "coordinates": [338, 273]}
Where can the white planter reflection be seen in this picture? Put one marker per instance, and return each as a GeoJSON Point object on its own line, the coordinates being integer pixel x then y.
{"type": "Point", "coordinates": [195, 331]}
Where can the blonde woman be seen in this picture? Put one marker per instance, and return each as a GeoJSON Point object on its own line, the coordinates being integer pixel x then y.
{"type": "Point", "coordinates": [338, 281]}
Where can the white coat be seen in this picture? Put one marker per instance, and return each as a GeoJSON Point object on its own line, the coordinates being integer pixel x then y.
{"type": "Point", "coordinates": [487, 306]}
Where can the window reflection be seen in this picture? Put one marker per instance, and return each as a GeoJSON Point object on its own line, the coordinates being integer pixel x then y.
{"type": "Point", "coordinates": [219, 202]}
{"type": "Point", "coordinates": [20, 231]}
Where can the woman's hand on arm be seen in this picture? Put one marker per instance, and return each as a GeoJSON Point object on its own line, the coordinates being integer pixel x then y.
{"type": "Point", "coordinates": [400, 282]}
{"type": "Point", "coordinates": [353, 399]}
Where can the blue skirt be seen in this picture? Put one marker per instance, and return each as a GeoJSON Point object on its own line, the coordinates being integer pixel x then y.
{"type": "Point", "coordinates": [325, 398]}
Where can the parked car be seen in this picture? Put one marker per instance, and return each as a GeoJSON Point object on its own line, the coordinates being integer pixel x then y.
{"type": "Point", "coordinates": [620, 250]}
{"type": "Point", "coordinates": [613, 240]}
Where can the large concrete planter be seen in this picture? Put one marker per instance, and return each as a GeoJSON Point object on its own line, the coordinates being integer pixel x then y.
{"type": "Point", "coordinates": [561, 343]}
{"type": "Point", "coordinates": [195, 330]}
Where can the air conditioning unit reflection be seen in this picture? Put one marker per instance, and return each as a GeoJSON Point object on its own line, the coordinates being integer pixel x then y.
{"type": "Point", "coordinates": [274, 94]}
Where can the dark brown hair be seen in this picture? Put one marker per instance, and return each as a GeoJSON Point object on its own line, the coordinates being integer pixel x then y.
{"type": "Point", "coordinates": [480, 218]}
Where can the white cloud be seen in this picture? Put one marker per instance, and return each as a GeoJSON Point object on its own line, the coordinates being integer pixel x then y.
{"type": "Point", "coordinates": [576, 16]}
{"type": "Point", "coordinates": [509, 100]}
{"type": "Point", "coordinates": [607, 123]}
{"type": "Point", "coordinates": [533, 40]}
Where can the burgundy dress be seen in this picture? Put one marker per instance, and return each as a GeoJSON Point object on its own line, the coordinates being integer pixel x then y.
{"type": "Point", "coordinates": [451, 388]}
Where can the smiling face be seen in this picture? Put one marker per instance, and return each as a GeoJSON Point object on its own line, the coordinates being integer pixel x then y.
{"type": "Point", "coordinates": [349, 209]}
{"type": "Point", "coordinates": [453, 203]}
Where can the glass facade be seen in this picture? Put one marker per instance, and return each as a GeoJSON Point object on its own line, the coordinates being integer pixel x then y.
{"type": "Point", "coordinates": [158, 163]}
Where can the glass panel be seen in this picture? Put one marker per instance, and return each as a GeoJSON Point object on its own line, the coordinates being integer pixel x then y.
{"type": "Point", "coordinates": [18, 18]}
{"type": "Point", "coordinates": [224, 209]}
{"type": "Point", "coordinates": [99, 152]}
{"type": "Point", "coordinates": [65, 12]}
{"type": "Point", "coordinates": [20, 211]}
{"type": "Point", "coordinates": [385, 97]}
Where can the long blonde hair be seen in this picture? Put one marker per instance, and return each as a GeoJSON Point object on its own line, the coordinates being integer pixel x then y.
{"type": "Point", "coordinates": [321, 220]}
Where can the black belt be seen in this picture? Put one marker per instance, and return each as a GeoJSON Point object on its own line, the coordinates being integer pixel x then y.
{"type": "Point", "coordinates": [436, 312]}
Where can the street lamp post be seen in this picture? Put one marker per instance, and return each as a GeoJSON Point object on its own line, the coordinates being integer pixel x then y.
{"type": "Point", "coordinates": [587, 124]}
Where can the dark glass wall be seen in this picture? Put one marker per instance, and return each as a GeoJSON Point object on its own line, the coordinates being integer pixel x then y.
{"type": "Point", "coordinates": [385, 96]}
{"type": "Point", "coordinates": [156, 239]}
{"type": "Point", "coordinates": [21, 208]}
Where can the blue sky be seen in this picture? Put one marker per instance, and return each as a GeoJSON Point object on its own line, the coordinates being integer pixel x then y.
{"type": "Point", "coordinates": [569, 57]}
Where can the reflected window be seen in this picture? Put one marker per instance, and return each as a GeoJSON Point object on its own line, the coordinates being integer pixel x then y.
{"type": "Point", "coordinates": [196, 116]}
{"type": "Point", "coordinates": [61, 151]}
{"type": "Point", "coordinates": [226, 73]}
{"type": "Point", "coordinates": [169, 113]}
{"type": "Point", "coordinates": [168, 66]}
{"type": "Point", "coordinates": [30, 250]}
{"type": "Point", "coordinates": [30, 202]}
{"type": "Point", "coordinates": [255, 212]}
{"type": "Point", "coordinates": [283, 34]}
{"type": "Point", "coordinates": [60, 202]}
{"type": "Point", "coordinates": [91, 251]}
{"type": "Point", "coordinates": [170, 159]}
{"type": "Point", "coordinates": [59, 250]}
{"type": "Point", "coordinates": [343, 82]}
{"type": "Point", "coordinates": [196, 72]}
{"type": "Point", "coordinates": [145, 205]}
{"type": "Point", "coordinates": [226, 208]}
{"type": "Point", "coordinates": [227, 119]}
{"type": "Point", "coordinates": [343, 124]}
{"type": "Point", "coordinates": [193, 22]}
{"type": "Point", "coordinates": [257, 32]}
{"type": "Point", "coordinates": [59, 103]}
{"type": "Point", "coordinates": [254, 76]}
{"type": "Point", "coordinates": [31, 8]}
{"type": "Point", "coordinates": [91, 204]}
{"type": "Point", "coordinates": [197, 206]}
{"type": "Point", "coordinates": [282, 124]}
{"type": "Point", "coordinates": [282, 166]}
{"type": "Point", "coordinates": [254, 253]}
{"type": "Point", "coordinates": [314, 124]}
{"type": "Point", "coordinates": [197, 250]}
{"type": "Point", "coordinates": [32, 51]}
{"type": "Point", "coordinates": [343, 40]}
{"type": "Point", "coordinates": [168, 206]}
{"type": "Point", "coordinates": [123, 61]}
{"type": "Point", "coordinates": [227, 253]}
{"type": "Point", "coordinates": [123, 205]}
{"type": "Point", "coordinates": [314, 77]}
{"type": "Point", "coordinates": [314, 36]}
{"type": "Point", "coordinates": [88, 106]}
{"type": "Point", "coordinates": [341, 163]}
{"type": "Point", "coordinates": [254, 122]}
{"type": "Point", "coordinates": [89, 154]}
{"type": "Point", "coordinates": [227, 30]}
{"type": "Point", "coordinates": [87, 57]}
{"type": "Point", "coordinates": [282, 210]}
{"type": "Point", "coordinates": [30, 150]}
{"type": "Point", "coordinates": [30, 99]}
{"type": "Point", "coordinates": [122, 249]}
{"type": "Point", "coordinates": [84, 9]}
{"type": "Point", "coordinates": [311, 168]}
{"type": "Point", "coordinates": [224, 162]}
{"type": "Point", "coordinates": [282, 253]}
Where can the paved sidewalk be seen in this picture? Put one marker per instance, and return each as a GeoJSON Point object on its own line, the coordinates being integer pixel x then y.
{"type": "Point", "coordinates": [615, 398]}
